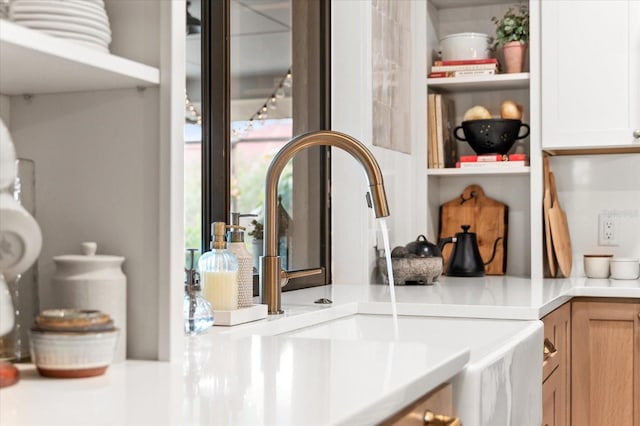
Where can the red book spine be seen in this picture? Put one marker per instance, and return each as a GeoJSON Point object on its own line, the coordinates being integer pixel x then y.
{"type": "Point", "coordinates": [440, 74]}
{"type": "Point", "coordinates": [466, 62]}
{"type": "Point", "coordinates": [492, 158]}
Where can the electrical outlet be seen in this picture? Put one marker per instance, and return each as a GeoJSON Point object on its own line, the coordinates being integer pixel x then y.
{"type": "Point", "coordinates": [607, 232]}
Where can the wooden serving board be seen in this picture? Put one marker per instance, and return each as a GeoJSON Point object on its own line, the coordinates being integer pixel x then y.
{"type": "Point", "coordinates": [547, 202]}
{"type": "Point", "coordinates": [488, 219]}
{"type": "Point", "coordinates": [559, 231]}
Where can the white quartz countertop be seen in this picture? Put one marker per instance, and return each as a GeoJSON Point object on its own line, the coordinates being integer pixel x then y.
{"type": "Point", "coordinates": [249, 380]}
{"type": "Point", "coordinates": [495, 297]}
{"type": "Point", "coordinates": [257, 374]}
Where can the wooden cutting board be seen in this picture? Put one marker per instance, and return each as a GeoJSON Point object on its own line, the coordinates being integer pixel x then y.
{"type": "Point", "coordinates": [559, 231]}
{"type": "Point", "coordinates": [488, 219]}
{"type": "Point", "coordinates": [546, 204]}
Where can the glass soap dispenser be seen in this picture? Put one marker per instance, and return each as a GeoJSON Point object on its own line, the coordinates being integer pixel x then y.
{"type": "Point", "coordinates": [219, 272]}
{"type": "Point", "coordinates": [198, 314]}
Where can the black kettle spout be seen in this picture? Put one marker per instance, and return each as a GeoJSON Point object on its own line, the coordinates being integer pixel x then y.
{"type": "Point", "coordinates": [495, 247]}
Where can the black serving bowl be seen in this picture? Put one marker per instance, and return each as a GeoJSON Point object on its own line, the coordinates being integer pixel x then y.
{"type": "Point", "coordinates": [491, 136]}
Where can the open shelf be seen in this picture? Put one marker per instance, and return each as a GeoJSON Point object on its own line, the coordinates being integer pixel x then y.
{"type": "Point", "coordinates": [483, 82]}
{"type": "Point", "coordinates": [34, 62]}
{"type": "Point", "coordinates": [488, 171]}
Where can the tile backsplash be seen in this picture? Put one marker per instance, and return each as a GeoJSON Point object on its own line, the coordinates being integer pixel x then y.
{"type": "Point", "coordinates": [591, 185]}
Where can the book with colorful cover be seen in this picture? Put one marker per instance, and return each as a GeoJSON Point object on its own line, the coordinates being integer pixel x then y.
{"type": "Point", "coordinates": [465, 73]}
{"type": "Point", "coordinates": [466, 62]}
{"type": "Point", "coordinates": [431, 132]}
{"type": "Point", "coordinates": [492, 158]}
{"type": "Point", "coordinates": [493, 164]}
{"type": "Point", "coordinates": [471, 67]}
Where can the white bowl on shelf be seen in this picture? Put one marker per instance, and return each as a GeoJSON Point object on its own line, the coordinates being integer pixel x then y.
{"type": "Point", "coordinates": [461, 46]}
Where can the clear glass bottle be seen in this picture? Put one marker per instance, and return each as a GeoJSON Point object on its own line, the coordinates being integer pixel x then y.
{"type": "Point", "coordinates": [198, 314]}
{"type": "Point", "coordinates": [219, 272]}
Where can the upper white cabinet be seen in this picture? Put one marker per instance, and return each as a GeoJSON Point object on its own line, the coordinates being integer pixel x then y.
{"type": "Point", "coordinates": [105, 131]}
{"type": "Point", "coordinates": [590, 74]}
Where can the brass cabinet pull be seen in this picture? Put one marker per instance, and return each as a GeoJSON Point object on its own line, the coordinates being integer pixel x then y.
{"type": "Point", "coordinates": [431, 419]}
{"type": "Point", "coordinates": [549, 349]}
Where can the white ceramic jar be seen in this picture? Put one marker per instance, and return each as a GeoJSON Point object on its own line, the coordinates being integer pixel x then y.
{"type": "Point", "coordinates": [93, 282]}
{"type": "Point", "coordinates": [624, 268]}
{"type": "Point", "coordinates": [461, 46]}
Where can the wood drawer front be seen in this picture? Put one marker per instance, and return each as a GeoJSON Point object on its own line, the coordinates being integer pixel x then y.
{"type": "Point", "coordinates": [553, 402]}
{"type": "Point", "coordinates": [439, 401]}
{"type": "Point", "coordinates": [557, 328]}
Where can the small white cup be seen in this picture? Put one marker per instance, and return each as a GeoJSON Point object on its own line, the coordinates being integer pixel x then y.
{"type": "Point", "coordinates": [597, 265]}
{"type": "Point", "coordinates": [624, 268]}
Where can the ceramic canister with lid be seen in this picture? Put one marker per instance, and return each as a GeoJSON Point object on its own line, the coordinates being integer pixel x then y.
{"type": "Point", "coordinates": [96, 282]}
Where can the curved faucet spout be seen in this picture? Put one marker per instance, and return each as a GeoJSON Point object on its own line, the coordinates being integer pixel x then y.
{"type": "Point", "coordinates": [270, 271]}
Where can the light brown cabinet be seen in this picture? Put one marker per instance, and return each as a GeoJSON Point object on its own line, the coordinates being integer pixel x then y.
{"type": "Point", "coordinates": [556, 368]}
{"type": "Point", "coordinates": [605, 362]}
{"type": "Point", "coordinates": [435, 408]}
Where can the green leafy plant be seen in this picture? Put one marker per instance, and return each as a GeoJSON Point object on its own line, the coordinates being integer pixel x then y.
{"type": "Point", "coordinates": [513, 26]}
{"type": "Point", "coordinates": [258, 230]}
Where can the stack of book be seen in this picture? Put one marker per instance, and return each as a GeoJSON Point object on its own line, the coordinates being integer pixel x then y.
{"type": "Point", "coordinates": [464, 68]}
{"type": "Point", "coordinates": [441, 146]}
{"type": "Point", "coordinates": [493, 161]}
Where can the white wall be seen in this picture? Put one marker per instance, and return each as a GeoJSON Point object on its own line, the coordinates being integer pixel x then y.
{"type": "Point", "coordinates": [354, 226]}
{"type": "Point", "coordinates": [593, 184]}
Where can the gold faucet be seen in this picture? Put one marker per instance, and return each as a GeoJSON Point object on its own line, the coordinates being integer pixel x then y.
{"type": "Point", "coordinates": [270, 266]}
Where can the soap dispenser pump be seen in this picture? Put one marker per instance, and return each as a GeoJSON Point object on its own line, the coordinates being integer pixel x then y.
{"type": "Point", "coordinates": [219, 272]}
{"type": "Point", "coordinates": [198, 314]}
{"type": "Point", "coordinates": [236, 245]}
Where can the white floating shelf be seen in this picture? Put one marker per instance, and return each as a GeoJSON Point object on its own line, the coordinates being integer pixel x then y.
{"type": "Point", "coordinates": [488, 171]}
{"type": "Point", "coordinates": [483, 82]}
{"type": "Point", "coordinates": [32, 62]}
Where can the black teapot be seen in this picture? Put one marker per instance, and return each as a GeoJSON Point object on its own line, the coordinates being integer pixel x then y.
{"type": "Point", "coordinates": [465, 259]}
{"type": "Point", "coordinates": [423, 248]}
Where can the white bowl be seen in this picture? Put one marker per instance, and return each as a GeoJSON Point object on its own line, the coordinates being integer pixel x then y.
{"type": "Point", "coordinates": [624, 268]}
{"type": "Point", "coordinates": [69, 355]}
{"type": "Point", "coordinates": [461, 46]}
{"type": "Point", "coordinates": [597, 265]}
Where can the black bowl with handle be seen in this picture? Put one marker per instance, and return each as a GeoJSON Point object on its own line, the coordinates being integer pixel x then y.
{"type": "Point", "coordinates": [492, 135]}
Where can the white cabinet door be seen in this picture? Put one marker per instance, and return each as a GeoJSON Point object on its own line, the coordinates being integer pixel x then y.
{"type": "Point", "coordinates": [590, 54]}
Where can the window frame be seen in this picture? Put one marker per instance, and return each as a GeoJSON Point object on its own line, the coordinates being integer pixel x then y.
{"type": "Point", "coordinates": [311, 43]}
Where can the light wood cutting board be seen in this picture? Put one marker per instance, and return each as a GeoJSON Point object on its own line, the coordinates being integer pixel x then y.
{"type": "Point", "coordinates": [546, 204]}
{"type": "Point", "coordinates": [559, 231]}
{"type": "Point", "coordinates": [488, 219]}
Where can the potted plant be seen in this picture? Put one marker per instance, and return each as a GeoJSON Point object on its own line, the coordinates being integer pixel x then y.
{"type": "Point", "coordinates": [512, 34]}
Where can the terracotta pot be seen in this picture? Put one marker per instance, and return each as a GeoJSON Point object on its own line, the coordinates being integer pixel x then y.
{"type": "Point", "coordinates": [514, 56]}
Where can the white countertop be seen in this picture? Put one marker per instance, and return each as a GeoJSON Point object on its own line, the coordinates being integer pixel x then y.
{"type": "Point", "coordinates": [249, 380]}
{"type": "Point", "coordinates": [496, 297]}
{"type": "Point", "coordinates": [229, 375]}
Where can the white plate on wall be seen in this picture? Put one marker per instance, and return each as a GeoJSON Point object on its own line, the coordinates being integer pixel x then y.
{"type": "Point", "coordinates": [90, 22]}
{"type": "Point", "coordinates": [71, 28]}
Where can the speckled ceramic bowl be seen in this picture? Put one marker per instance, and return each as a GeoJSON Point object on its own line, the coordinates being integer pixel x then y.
{"type": "Point", "coordinates": [69, 355]}
{"type": "Point", "coordinates": [69, 343]}
{"type": "Point", "coordinates": [412, 270]}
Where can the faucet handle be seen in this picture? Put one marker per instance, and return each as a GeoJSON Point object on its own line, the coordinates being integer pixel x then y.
{"type": "Point", "coordinates": [285, 276]}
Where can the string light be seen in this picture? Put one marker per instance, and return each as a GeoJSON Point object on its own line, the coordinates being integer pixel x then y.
{"type": "Point", "coordinates": [193, 116]}
{"type": "Point", "coordinates": [271, 103]}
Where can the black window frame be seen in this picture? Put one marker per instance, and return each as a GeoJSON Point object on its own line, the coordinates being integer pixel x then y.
{"type": "Point", "coordinates": [311, 24]}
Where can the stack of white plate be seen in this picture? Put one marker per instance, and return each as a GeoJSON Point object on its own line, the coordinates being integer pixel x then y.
{"type": "Point", "coordinates": [80, 21]}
